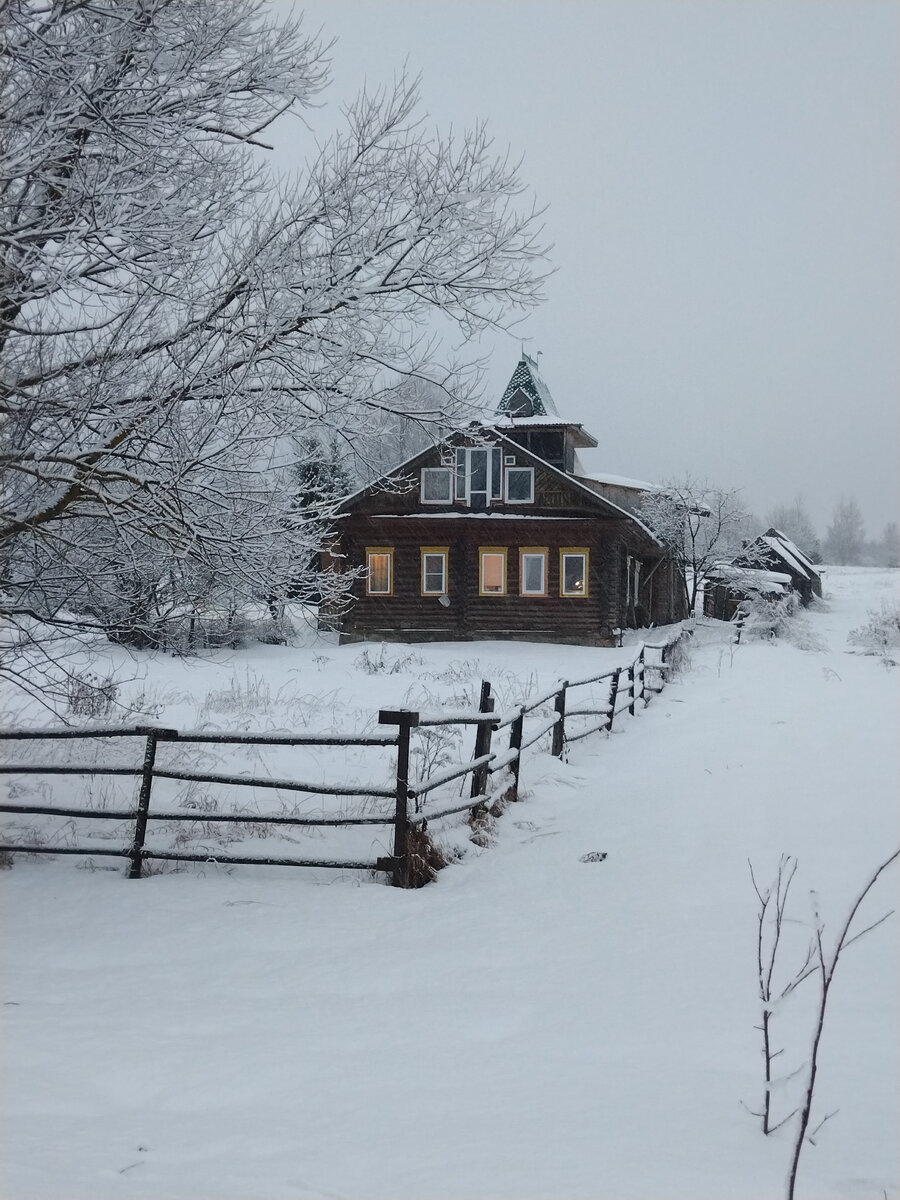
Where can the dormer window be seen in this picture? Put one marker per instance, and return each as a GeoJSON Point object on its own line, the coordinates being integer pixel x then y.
{"type": "Point", "coordinates": [437, 485]}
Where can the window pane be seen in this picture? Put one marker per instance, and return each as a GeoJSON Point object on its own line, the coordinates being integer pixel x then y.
{"type": "Point", "coordinates": [496, 473]}
{"type": "Point", "coordinates": [436, 484]}
{"type": "Point", "coordinates": [379, 573]}
{"type": "Point", "coordinates": [573, 573]}
{"type": "Point", "coordinates": [478, 470]}
{"type": "Point", "coordinates": [434, 573]}
{"type": "Point", "coordinates": [520, 483]}
{"type": "Point", "coordinates": [492, 572]}
{"type": "Point", "coordinates": [461, 474]}
{"type": "Point", "coordinates": [533, 573]}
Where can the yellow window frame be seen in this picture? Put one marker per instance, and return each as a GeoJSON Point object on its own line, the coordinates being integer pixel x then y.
{"type": "Point", "coordinates": [444, 552]}
{"type": "Point", "coordinates": [503, 552]}
{"type": "Point", "coordinates": [572, 551]}
{"type": "Point", "coordinates": [371, 552]}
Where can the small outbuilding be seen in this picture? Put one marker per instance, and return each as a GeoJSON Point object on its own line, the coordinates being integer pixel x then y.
{"type": "Point", "coordinates": [769, 567]}
{"type": "Point", "coordinates": [774, 551]}
{"type": "Point", "coordinates": [728, 587]}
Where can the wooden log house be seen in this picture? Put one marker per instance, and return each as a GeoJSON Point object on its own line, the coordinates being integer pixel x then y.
{"type": "Point", "coordinates": [495, 532]}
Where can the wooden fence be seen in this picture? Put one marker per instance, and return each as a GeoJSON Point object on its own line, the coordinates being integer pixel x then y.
{"type": "Point", "coordinates": [494, 770]}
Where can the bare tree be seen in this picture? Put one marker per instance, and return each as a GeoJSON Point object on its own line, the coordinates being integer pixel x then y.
{"type": "Point", "coordinates": [825, 963]}
{"type": "Point", "coordinates": [172, 314]}
{"type": "Point", "coordinates": [771, 919]}
{"type": "Point", "coordinates": [845, 540]}
{"type": "Point", "coordinates": [888, 549]}
{"type": "Point", "coordinates": [820, 963]}
{"type": "Point", "coordinates": [700, 524]}
{"type": "Point", "coordinates": [794, 521]}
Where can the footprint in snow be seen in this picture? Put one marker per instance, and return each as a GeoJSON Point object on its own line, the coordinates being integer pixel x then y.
{"type": "Point", "coordinates": [593, 856]}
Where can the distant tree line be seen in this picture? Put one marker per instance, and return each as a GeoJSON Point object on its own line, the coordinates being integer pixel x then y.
{"type": "Point", "coordinates": [845, 542]}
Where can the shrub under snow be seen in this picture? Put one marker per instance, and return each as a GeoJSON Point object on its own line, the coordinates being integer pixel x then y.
{"type": "Point", "coordinates": [880, 635]}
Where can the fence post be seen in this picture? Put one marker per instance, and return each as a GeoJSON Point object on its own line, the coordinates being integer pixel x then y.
{"type": "Point", "coordinates": [559, 729]}
{"type": "Point", "coordinates": [136, 854]}
{"type": "Point", "coordinates": [483, 735]}
{"type": "Point", "coordinates": [664, 674]}
{"type": "Point", "coordinates": [515, 743]}
{"type": "Point", "coordinates": [405, 721]}
{"type": "Point", "coordinates": [632, 687]}
{"type": "Point", "coordinates": [613, 694]}
{"type": "Point", "coordinates": [643, 662]}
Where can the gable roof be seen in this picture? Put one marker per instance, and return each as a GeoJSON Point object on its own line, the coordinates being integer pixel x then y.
{"type": "Point", "coordinates": [599, 502]}
{"type": "Point", "coordinates": [788, 550]}
{"type": "Point", "coordinates": [535, 400]}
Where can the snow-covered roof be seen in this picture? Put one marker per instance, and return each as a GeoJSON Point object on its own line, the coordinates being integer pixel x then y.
{"type": "Point", "coordinates": [751, 578]}
{"type": "Point", "coordinates": [791, 556]}
{"type": "Point", "coordinates": [451, 514]}
{"type": "Point", "coordinates": [527, 379]}
{"type": "Point", "coordinates": [791, 548]}
{"type": "Point", "coordinates": [638, 485]}
{"type": "Point", "coordinates": [511, 421]}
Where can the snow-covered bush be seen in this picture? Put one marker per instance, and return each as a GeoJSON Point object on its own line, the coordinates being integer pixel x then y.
{"type": "Point", "coordinates": [780, 618]}
{"type": "Point", "coordinates": [679, 655]}
{"type": "Point", "coordinates": [90, 696]}
{"type": "Point", "coordinates": [381, 663]}
{"type": "Point", "coordinates": [880, 635]}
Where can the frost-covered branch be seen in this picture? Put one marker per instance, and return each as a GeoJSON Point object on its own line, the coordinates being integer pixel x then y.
{"type": "Point", "coordinates": [175, 319]}
{"type": "Point", "coordinates": [700, 524]}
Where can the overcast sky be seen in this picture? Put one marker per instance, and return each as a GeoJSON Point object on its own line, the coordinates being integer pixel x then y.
{"type": "Point", "coordinates": [723, 190]}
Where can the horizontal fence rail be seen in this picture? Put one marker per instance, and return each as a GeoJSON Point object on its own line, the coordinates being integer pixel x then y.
{"type": "Point", "coordinates": [494, 771]}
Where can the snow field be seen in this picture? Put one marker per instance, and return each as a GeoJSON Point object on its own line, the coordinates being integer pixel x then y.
{"type": "Point", "coordinates": [530, 1026]}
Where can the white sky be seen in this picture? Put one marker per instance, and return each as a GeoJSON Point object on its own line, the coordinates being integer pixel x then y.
{"type": "Point", "coordinates": [723, 188]}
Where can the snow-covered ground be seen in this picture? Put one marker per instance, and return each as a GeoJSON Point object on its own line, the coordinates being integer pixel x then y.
{"type": "Point", "coordinates": [531, 1025]}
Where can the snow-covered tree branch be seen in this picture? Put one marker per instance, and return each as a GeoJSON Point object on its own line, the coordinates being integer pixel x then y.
{"type": "Point", "coordinates": [700, 524]}
{"type": "Point", "coordinates": [173, 316]}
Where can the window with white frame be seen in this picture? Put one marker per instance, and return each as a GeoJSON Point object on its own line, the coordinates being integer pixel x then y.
{"type": "Point", "coordinates": [492, 571]}
{"type": "Point", "coordinates": [379, 570]}
{"type": "Point", "coordinates": [479, 475]}
{"type": "Point", "coordinates": [573, 571]}
{"type": "Point", "coordinates": [437, 485]}
{"type": "Point", "coordinates": [533, 571]}
{"type": "Point", "coordinates": [519, 485]}
{"type": "Point", "coordinates": [434, 570]}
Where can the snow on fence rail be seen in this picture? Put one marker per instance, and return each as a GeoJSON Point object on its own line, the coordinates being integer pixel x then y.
{"type": "Point", "coordinates": [494, 772]}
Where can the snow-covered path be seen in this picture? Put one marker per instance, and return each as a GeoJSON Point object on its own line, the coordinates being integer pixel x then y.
{"type": "Point", "coordinates": [532, 1026]}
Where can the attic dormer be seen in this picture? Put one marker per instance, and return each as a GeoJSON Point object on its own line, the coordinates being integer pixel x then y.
{"type": "Point", "coordinates": [527, 414]}
{"type": "Point", "coordinates": [520, 404]}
